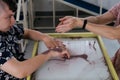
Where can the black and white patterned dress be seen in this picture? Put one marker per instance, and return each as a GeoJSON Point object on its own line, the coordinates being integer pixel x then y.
{"type": "Point", "coordinates": [9, 47]}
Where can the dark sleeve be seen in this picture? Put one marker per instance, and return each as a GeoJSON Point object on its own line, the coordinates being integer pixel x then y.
{"type": "Point", "coordinates": [4, 57]}
{"type": "Point", "coordinates": [19, 31]}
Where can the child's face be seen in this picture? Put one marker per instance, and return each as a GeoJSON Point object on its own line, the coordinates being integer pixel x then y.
{"type": "Point", "coordinates": [6, 19]}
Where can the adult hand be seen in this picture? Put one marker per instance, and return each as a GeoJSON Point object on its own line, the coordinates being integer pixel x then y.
{"type": "Point", "coordinates": [64, 53]}
{"type": "Point", "coordinates": [51, 42]}
{"type": "Point", "coordinates": [67, 23]}
{"type": "Point", "coordinates": [58, 52]}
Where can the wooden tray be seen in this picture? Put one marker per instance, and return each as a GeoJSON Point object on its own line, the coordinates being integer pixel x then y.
{"type": "Point", "coordinates": [90, 60]}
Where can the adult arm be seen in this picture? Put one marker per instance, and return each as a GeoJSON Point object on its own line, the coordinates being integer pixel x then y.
{"type": "Point", "coordinates": [94, 25]}
{"type": "Point", "coordinates": [105, 18]}
{"type": "Point", "coordinates": [49, 41]}
{"type": "Point", "coordinates": [25, 68]}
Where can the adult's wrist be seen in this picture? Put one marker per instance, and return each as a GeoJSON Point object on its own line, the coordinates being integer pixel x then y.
{"type": "Point", "coordinates": [79, 22]}
{"type": "Point", "coordinates": [45, 37]}
{"type": "Point", "coordinates": [48, 54]}
{"type": "Point", "coordinates": [42, 36]}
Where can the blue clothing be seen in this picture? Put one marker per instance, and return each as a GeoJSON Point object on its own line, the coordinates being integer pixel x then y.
{"type": "Point", "coordinates": [9, 48]}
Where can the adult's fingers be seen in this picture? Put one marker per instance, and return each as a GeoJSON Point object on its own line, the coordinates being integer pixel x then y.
{"type": "Point", "coordinates": [66, 54]}
{"type": "Point", "coordinates": [54, 43]}
{"type": "Point", "coordinates": [64, 18]}
{"type": "Point", "coordinates": [60, 43]}
{"type": "Point", "coordinates": [60, 23]}
{"type": "Point", "coordinates": [60, 29]}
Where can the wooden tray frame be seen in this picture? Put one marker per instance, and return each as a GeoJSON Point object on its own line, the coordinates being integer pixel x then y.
{"type": "Point", "coordinates": [84, 35]}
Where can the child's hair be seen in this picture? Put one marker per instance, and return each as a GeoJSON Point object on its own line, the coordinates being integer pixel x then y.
{"type": "Point", "coordinates": [11, 4]}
